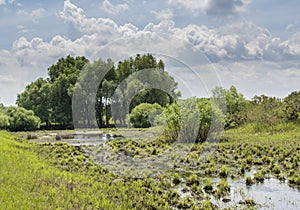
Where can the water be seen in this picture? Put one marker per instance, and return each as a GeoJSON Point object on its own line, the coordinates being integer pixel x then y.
{"type": "Point", "coordinates": [89, 139]}
{"type": "Point", "coordinates": [271, 194]}
{"type": "Point", "coordinates": [78, 139]}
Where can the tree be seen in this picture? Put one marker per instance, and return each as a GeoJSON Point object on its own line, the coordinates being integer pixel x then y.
{"type": "Point", "coordinates": [92, 93]}
{"type": "Point", "coordinates": [232, 103]}
{"type": "Point", "coordinates": [265, 112]}
{"type": "Point", "coordinates": [21, 119]}
{"type": "Point", "coordinates": [36, 97]}
{"type": "Point", "coordinates": [136, 78]}
{"type": "Point", "coordinates": [63, 76]}
{"type": "Point", "coordinates": [292, 106]}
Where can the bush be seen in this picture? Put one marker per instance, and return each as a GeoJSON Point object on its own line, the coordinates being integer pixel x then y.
{"type": "Point", "coordinates": [4, 121]}
{"type": "Point", "coordinates": [142, 116]}
{"type": "Point", "coordinates": [193, 120]}
{"type": "Point", "coordinates": [21, 119]}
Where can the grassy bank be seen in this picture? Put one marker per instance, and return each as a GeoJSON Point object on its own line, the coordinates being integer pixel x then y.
{"type": "Point", "coordinates": [61, 177]}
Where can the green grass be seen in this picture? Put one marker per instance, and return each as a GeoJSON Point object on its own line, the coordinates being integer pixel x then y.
{"type": "Point", "coordinates": [29, 181]}
{"type": "Point", "coordinates": [60, 176]}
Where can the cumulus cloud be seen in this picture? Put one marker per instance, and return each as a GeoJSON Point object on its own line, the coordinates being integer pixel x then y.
{"type": "Point", "coordinates": [2, 2]}
{"type": "Point", "coordinates": [242, 52]}
{"type": "Point", "coordinates": [113, 9]}
{"type": "Point", "coordinates": [214, 7]}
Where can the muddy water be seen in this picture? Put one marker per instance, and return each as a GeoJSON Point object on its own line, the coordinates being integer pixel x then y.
{"type": "Point", "coordinates": [271, 194]}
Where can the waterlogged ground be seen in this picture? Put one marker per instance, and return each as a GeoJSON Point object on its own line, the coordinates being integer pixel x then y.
{"type": "Point", "coordinates": [245, 171]}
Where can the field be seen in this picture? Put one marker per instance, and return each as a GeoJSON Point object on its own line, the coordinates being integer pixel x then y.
{"type": "Point", "coordinates": [217, 175]}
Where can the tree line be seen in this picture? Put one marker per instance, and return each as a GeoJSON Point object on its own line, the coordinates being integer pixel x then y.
{"type": "Point", "coordinates": [48, 101]}
{"type": "Point", "coordinates": [51, 98]}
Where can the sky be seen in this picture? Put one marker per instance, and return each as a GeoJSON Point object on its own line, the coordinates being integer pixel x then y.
{"type": "Point", "coordinates": [253, 45]}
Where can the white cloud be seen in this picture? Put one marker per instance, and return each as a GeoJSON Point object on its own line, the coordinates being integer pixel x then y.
{"type": "Point", "coordinates": [113, 9]}
{"type": "Point", "coordinates": [214, 7]}
{"type": "Point", "coordinates": [2, 2]}
{"type": "Point", "coordinates": [165, 14]}
{"type": "Point", "coordinates": [37, 13]}
{"type": "Point", "coordinates": [22, 29]}
{"type": "Point", "coordinates": [34, 14]}
{"type": "Point", "coordinates": [242, 52]}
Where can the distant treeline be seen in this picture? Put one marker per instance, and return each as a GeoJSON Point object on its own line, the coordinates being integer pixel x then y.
{"type": "Point", "coordinates": [50, 100]}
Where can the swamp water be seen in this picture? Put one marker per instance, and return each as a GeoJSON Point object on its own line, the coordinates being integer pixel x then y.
{"type": "Point", "coordinates": [271, 194]}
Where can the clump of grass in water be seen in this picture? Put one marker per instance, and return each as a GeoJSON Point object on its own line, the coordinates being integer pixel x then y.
{"type": "Point", "coordinates": [223, 188]}
{"type": "Point", "coordinates": [176, 178]}
{"type": "Point", "coordinates": [208, 187]}
{"type": "Point", "coordinates": [249, 181]}
{"type": "Point", "coordinates": [193, 179]}
{"type": "Point", "coordinates": [224, 171]}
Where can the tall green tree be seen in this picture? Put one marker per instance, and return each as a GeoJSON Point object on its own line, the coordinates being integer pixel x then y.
{"type": "Point", "coordinates": [63, 76]}
{"type": "Point", "coordinates": [129, 82]}
{"type": "Point", "coordinates": [36, 97]}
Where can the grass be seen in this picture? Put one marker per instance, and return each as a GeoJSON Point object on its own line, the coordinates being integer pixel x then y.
{"type": "Point", "coordinates": [30, 181]}
{"type": "Point", "coordinates": [60, 176]}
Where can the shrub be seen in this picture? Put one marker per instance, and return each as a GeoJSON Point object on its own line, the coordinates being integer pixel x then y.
{"type": "Point", "coordinates": [21, 119]}
{"type": "Point", "coordinates": [193, 120]}
{"type": "Point", "coordinates": [4, 121]}
{"type": "Point", "coordinates": [141, 116]}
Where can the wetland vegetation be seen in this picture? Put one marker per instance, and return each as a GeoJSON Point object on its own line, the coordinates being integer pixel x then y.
{"type": "Point", "coordinates": [224, 152]}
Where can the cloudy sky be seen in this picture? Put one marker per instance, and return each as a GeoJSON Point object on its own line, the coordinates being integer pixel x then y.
{"type": "Point", "coordinates": [254, 45]}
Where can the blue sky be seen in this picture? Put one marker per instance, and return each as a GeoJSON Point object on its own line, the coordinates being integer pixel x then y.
{"type": "Point", "coordinates": [254, 45]}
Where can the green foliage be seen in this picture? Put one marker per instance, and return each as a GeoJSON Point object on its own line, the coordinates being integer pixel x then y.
{"type": "Point", "coordinates": [233, 105]}
{"type": "Point", "coordinates": [265, 112]}
{"type": "Point", "coordinates": [224, 171]}
{"type": "Point", "coordinates": [36, 98]}
{"type": "Point", "coordinates": [4, 120]}
{"type": "Point", "coordinates": [208, 186]}
{"type": "Point", "coordinates": [193, 179]}
{"type": "Point", "coordinates": [193, 120]}
{"type": "Point", "coordinates": [176, 178]}
{"type": "Point", "coordinates": [135, 86]}
{"type": "Point", "coordinates": [21, 119]}
{"type": "Point", "coordinates": [223, 187]}
{"type": "Point", "coordinates": [51, 99]}
{"type": "Point", "coordinates": [292, 106]}
{"type": "Point", "coordinates": [60, 176]}
{"type": "Point", "coordinates": [141, 115]}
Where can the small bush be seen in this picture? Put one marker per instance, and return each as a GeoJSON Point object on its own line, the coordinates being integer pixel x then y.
{"type": "Point", "coordinates": [141, 114]}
